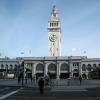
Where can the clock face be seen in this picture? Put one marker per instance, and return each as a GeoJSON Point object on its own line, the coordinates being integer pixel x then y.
{"type": "Point", "coordinates": [52, 38]}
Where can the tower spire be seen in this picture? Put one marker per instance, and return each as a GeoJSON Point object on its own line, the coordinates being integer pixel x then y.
{"type": "Point", "coordinates": [54, 2]}
{"type": "Point", "coordinates": [54, 10]}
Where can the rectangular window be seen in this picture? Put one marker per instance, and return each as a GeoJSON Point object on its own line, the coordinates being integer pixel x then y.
{"type": "Point", "coordinates": [53, 54]}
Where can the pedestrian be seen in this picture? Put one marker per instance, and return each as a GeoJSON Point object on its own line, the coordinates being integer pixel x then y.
{"type": "Point", "coordinates": [41, 85]}
{"type": "Point", "coordinates": [80, 79]}
{"type": "Point", "coordinates": [31, 77]}
{"type": "Point", "coordinates": [18, 79]}
{"type": "Point", "coordinates": [26, 76]}
{"type": "Point", "coordinates": [22, 77]}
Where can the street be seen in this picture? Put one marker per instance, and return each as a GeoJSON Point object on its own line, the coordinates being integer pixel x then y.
{"type": "Point", "coordinates": [61, 89]}
{"type": "Point", "coordinates": [32, 93]}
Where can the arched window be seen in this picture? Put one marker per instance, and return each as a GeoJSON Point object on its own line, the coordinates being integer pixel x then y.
{"type": "Point", "coordinates": [11, 66]}
{"type": "Point", "coordinates": [2, 66]}
{"type": "Point", "coordinates": [52, 67]}
{"type": "Point", "coordinates": [94, 66]}
{"type": "Point", "coordinates": [50, 24]}
{"type": "Point", "coordinates": [57, 24]}
{"type": "Point", "coordinates": [39, 67]}
{"type": "Point", "coordinates": [64, 67]}
{"type": "Point", "coordinates": [89, 67]}
{"type": "Point", "coordinates": [6, 66]}
{"type": "Point", "coordinates": [83, 67]}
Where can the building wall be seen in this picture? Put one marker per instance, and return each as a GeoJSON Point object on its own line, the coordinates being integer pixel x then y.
{"type": "Point", "coordinates": [70, 66]}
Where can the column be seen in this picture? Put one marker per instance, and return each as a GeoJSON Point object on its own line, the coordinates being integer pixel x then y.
{"type": "Point", "coordinates": [87, 74]}
{"type": "Point", "coordinates": [58, 71]}
{"type": "Point", "coordinates": [80, 69]}
{"type": "Point", "coordinates": [46, 69]}
{"type": "Point", "coordinates": [33, 72]}
{"type": "Point", "coordinates": [71, 69]}
{"type": "Point", "coordinates": [25, 66]}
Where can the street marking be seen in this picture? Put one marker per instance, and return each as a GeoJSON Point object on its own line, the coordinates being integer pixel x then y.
{"type": "Point", "coordinates": [4, 89]}
{"type": "Point", "coordinates": [9, 94]}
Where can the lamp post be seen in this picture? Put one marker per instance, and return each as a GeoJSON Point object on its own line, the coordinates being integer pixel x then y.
{"type": "Point", "coordinates": [22, 65]}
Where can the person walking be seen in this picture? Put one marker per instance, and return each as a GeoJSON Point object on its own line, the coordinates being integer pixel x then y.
{"type": "Point", "coordinates": [18, 79]}
{"type": "Point", "coordinates": [41, 85]}
{"type": "Point", "coordinates": [80, 79]}
{"type": "Point", "coordinates": [31, 77]}
{"type": "Point", "coordinates": [26, 77]}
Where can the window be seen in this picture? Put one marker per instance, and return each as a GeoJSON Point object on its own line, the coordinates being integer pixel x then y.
{"type": "Point", "coordinates": [83, 67]}
{"type": "Point", "coordinates": [89, 67]}
{"type": "Point", "coordinates": [98, 65]}
{"type": "Point", "coordinates": [94, 66]}
{"type": "Point", "coordinates": [2, 66]}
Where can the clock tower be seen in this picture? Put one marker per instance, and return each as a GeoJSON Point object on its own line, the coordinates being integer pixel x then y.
{"type": "Point", "coordinates": [54, 34]}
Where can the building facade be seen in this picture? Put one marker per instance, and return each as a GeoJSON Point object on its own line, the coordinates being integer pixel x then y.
{"type": "Point", "coordinates": [57, 67]}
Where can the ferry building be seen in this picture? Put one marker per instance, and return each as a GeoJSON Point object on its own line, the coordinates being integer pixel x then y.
{"type": "Point", "coordinates": [57, 66]}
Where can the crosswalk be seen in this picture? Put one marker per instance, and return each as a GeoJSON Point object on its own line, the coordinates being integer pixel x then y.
{"type": "Point", "coordinates": [6, 91]}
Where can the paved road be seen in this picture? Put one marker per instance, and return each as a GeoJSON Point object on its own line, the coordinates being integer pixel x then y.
{"type": "Point", "coordinates": [89, 90]}
{"type": "Point", "coordinates": [32, 93]}
{"type": "Point", "coordinates": [6, 91]}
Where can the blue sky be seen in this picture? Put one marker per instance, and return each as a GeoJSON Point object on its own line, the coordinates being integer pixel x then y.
{"type": "Point", "coordinates": [23, 27]}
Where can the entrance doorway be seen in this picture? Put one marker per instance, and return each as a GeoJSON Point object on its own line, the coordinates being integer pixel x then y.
{"type": "Point", "coordinates": [75, 73]}
{"type": "Point", "coordinates": [52, 71]}
{"type": "Point", "coordinates": [39, 70]}
{"type": "Point", "coordinates": [64, 75]}
{"type": "Point", "coordinates": [64, 71]}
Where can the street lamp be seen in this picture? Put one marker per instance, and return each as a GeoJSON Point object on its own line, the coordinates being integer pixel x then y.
{"type": "Point", "coordinates": [22, 65]}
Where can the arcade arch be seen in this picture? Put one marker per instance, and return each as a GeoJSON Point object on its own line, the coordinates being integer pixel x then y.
{"type": "Point", "coordinates": [52, 70]}
{"type": "Point", "coordinates": [39, 70]}
{"type": "Point", "coordinates": [94, 67]}
{"type": "Point", "coordinates": [89, 67]}
{"type": "Point", "coordinates": [64, 71]}
{"type": "Point", "coordinates": [83, 67]}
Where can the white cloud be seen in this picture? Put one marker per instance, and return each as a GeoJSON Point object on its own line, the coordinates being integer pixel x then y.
{"type": "Point", "coordinates": [73, 49]}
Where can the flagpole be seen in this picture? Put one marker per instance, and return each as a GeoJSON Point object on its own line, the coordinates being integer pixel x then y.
{"type": "Point", "coordinates": [84, 53]}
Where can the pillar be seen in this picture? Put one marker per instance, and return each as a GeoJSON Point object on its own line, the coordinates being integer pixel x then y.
{"type": "Point", "coordinates": [58, 74]}
{"type": "Point", "coordinates": [71, 69]}
{"type": "Point", "coordinates": [80, 69]}
{"type": "Point", "coordinates": [33, 70]}
{"type": "Point", "coordinates": [45, 69]}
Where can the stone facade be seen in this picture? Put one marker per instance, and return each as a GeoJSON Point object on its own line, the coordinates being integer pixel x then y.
{"type": "Point", "coordinates": [57, 67]}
